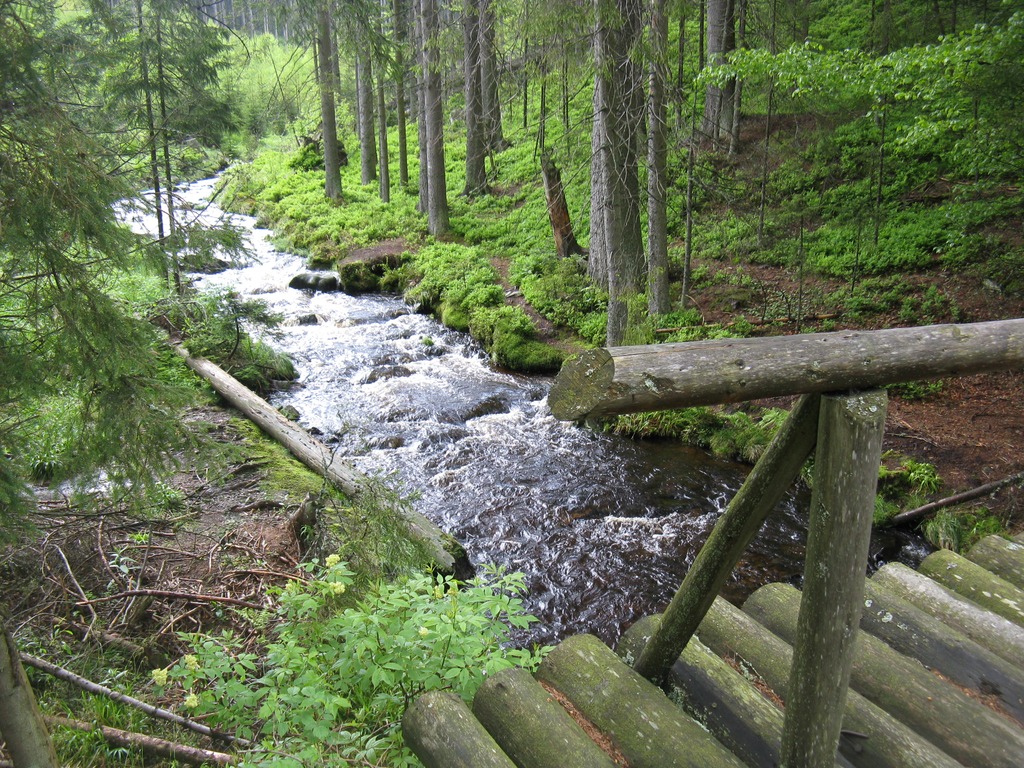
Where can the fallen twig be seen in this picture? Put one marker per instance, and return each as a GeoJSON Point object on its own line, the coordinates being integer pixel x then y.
{"type": "Point", "coordinates": [150, 744]}
{"type": "Point", "coordinates": [959, 498]}
{"type": "Point", "coordinates": [149, 709]}
{"type": "Point", "coordinates": [167, 593]}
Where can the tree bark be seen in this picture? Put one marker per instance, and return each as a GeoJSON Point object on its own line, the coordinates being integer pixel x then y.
{"type": "Point", "coordinates": [21, 723]}
{"type": "Point", "coordinates": [327, 84]}
{"type": "Point", "coordinates": [150, 744]}
{"type": "Point", "coordinates": [732, 633]}
{"type": "Point", "coordinates": [494, 138]}
{"type": "Point", "coordinates": [718, 102]}
{"type": "Point", "coordinates": [605, 382]}
{"type": "Point", "coordinates": [443, 733]}
{"type": "Point", "coordinates": [657, 154]}
{"type": "Point", "coordinates": [476, 175]}
{"type": "Point", "coordinates": [423, 181]}
{"type": "Point", "coordinates": [558, 209]}
{"type": "Point", "coordinates": [382, 122]}
{"type": "Point", "coordinates": [999, 635]}
{"type": "Point", "coordinates": [962, 727]}
{"type": "Point", "coordinates": [950, 501]}
{"type": "Point", "coordinates": [976, 584]}
{"type": "Point", "coordinates": [1001, 557]}
{"type": "Point", "coordinates": [642, 722]}
{"type": "Point", "coordinates": [401, 70]}
{"type": "Point", "coordinates": [367, 133]}
{"type": "Point", "coordinates": [437, 188]}
{"type": "Point", "coordinates": [531, 726]}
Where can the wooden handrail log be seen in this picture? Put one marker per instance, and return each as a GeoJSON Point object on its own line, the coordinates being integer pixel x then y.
{"type": "Point", "coordinates": [616, 380]}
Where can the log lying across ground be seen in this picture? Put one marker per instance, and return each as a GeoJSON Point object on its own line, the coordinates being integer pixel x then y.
{"type": "Point", "coordinates": [322, 460]}
{"type": "Point", "coordinates": [605, 382]}
{"type": "Point", "coordinates": [443, 733]}
{"type": "Point", "coordinates": [976, 584]}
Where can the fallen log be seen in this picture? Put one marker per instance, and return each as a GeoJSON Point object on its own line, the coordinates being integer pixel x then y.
{"type": "Point", "coordinates": [532, 728]}
{"type": "Point", "coordinates": [914, 633]}
{"type": "Point", "coordinates": [889, 744]}
{"type": "Point", "coordinates": [951, 501]}
{"type": "Point", "coordinates": [149, 744]}
{"type": "Point", "coordinates": [976, 584]}
{"type": "Point", "coordinates": [322, 460]}
{"type": "Point", "coordinates": [606, 382]}
{"type": "Point", "coordinates": [999, 635]}
{"type": "Point", "coordinates": [1001, 557]}
{"type": "Point", "coordinates": [650, 730]}
{"type": "Point", "coordinates": [962, 727]}
{"type": "Point", "coordinates": [443, 733]}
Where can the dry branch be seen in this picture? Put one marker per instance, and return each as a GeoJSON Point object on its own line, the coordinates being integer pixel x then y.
{"type": "Point", "coordinates": [179, 595]}
{"type": "Point", "coordinates": [950, 501]}
{"type": "Point", "coordinates": [149, 744]}
{"type": "Point", "coordinates": [149, 709]}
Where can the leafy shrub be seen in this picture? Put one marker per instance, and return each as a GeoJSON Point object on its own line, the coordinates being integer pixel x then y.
{"type": "Point", "coordinates": [959, 531]}
{"type": "Point", "coordinates": [339, 674]}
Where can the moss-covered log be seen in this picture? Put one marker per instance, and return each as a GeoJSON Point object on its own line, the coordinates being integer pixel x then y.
{"type": "Point", "coordinates": [1002, 637]}
{"type": "Point", "coordinates": [1002, 557]}
{"type": "Point", "coordinates": [605, 382]}
{"type": "Point", "coordinates": [963, 727]}
{"type": "Point", "coordinates": [650, 730]}
{"type": "Point", "coordinates": [531, 726]}
{"type": "Point", "coordinates": [889, 743]}
{"type": "Point", "coordinates": [909, 630]}
{"type": "Point", "coordinates": [439, 728]}
{"type": "Point", "coordinates": [716, 696]}
{"type": "Point", "coordinates": [976, 584]}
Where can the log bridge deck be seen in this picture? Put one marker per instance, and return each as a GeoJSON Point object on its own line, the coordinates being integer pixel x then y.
{"type": "Point", "coordinates": [937, 680]}
{"type": "Point", "coordinates": [908, 669]}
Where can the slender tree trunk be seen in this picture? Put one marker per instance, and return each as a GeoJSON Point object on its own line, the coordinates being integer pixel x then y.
{"type": "Point", "coordinates": [737, 100]}
{"type": "Point", "coordinates": [147, 87]}
{"type": "Point", "coordinates": [364, 93]}
{"type": "Point", "coordinates": [681, 58]}
{"type": "Point", "coordinates": [166, 147]}
{"type": "Point", "coordinates": [691, 162]}
{"type": "Point", "coordinates": [558, 209]}
{"type": "Point", "coordinates": [421, 107]}
{"type": "Point", "coordinates": [621, 115]}
{"type": "Point", "coordinates": [27, 740]}
{"type": "Point", "coordinates": [401, 39]}
{"type": "Point", "coordinates": [476, 174]}
{"type": "Point", "coordinates": [657, 220]}
{"type": "Point", "coordinates": [718, 103]}
{"type": "Point", "coordinates": [437, 197]}
{"type": "Point", "coordinates": [385, 158]}
{"type": "Point", "coordinates": [329, 130]}
{"type": "Point", "coordinates": [597, 265]}
{"type": "Point", "coordinates": [494, 138]}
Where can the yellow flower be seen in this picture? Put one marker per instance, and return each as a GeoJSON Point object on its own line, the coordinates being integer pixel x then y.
{"type": "Point", "coordinates": [191, 701]}
{"type": "Point", "coordinates": [424, 631]}
{"type": "Point", "coordinates": [191, 662]}
{"type": "Point", "coordinates": [438, 592]}
{"type": "Point", "coordinates": [159, 676]}
{"type": "Point", "coordinates": [338, 588]}
{"type": "Point", "coordinates": [332, 560]}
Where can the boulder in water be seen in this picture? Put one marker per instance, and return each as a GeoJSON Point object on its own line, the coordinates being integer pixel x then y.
{"type": "Point", "coordinates": [311, 281]}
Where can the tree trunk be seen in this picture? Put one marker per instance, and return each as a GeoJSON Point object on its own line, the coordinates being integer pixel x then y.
{"type": "Point", "coordinates": [21, 723]}
{"type": "Point", "coordinates": [401, 69]}
{"type": "Point", "coordinates": [1001, 557]}
{"type": "Point", "coordinates": [367, 133]}
{"type": "Point", "coordinates": [976, 584]}
{"type": "Point", "coordinates": [494, 138]}
{"type": "Point", "coordinates": [423, 182]}
{"type": "Point", "coordinates": [476, 175]}
{"type": "Point", "coordinates": [437, 187]}
{"type": "Point", "coordinates": [150, 745]}
{"type": "Point", "coordinates": [617, 30]}
{"type": "Point", "coordinates": [558, 209]}
{"type": "Point", "coordinates": [382, 122]}
{"type": "Point", "coordinates": [657, 152]}
{"type": "Point", "coordinates": [718, 103]}
{"type": "Point", "coordinates": [329, 122]}
{"type": "Point", "coordinates": [147, 88]}
{"type": "Point", "coordinates": [597, 265]}
{"type": "Point", "coordinates": [443, 733]}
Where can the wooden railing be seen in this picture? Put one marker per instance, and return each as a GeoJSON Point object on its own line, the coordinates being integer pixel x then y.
{"type": "Point", "coordinates": [840, 418]}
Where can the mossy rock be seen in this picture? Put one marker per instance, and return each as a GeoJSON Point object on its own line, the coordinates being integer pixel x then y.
{"type": "Point", "coordinates": [368, 274]}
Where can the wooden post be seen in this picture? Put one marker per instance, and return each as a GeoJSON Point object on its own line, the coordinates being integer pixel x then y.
{"type": "Point", "coordinates": [762, 490]}
{"type": "Point", "coordinates": [606, 382]}
{"type": "Point", "coordinates": [850, 430]}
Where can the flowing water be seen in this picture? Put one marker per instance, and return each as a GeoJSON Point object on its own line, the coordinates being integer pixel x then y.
{"type": "Point", "coordinates": [604, 528]}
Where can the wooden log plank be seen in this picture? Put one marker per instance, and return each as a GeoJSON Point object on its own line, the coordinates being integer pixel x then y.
{"type": "Point", "coordinates": [909, 630]}
{"type": "Point", "coordinates": [439, 728]}
{"type": "Point", "coordinates": [850, 430]}
{"type": "Point", "coordinates": [650, 730]}
{"type": "Point", "coordinates": [532, 728]}
{"type": "Point", "coordinates": [889, 743]}
{"type": "Point", "coordinates": [150, 745]}
{"type": "Point", "coordinates": [961, 726]}
{"type": "Point", "coordinates": [773, 474]}
{"type": "Point", "coordinates": [1000, 556]}
{"type": "Point", "coordinates": [718, 697]}
{"type": "Point", "coordinates": [1002, 637]}
{"type": "Point", "coordinates": [605, 382]}
{"type": "Point", "coordinates": [976, 584]}
{"type": "Point", "coordinates": [322, 460]}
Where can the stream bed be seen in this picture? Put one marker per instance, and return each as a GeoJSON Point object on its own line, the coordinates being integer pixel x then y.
{"type": "Point", "coordinates": [603, 527]}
